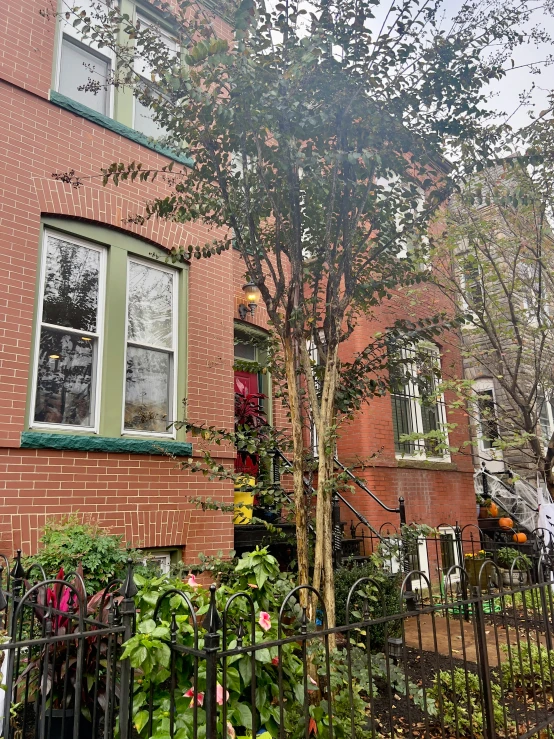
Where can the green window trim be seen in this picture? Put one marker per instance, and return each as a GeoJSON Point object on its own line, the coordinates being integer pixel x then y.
{"type": "Point", "coordinates": [129, 133]}
{"type": "Point", "coordinates": [119, 247]}
{"type": "Point", "coordinates": [84, 443]}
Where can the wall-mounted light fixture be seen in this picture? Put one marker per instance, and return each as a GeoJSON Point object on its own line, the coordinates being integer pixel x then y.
{"type": "Point", "coordinates": [252, 297]}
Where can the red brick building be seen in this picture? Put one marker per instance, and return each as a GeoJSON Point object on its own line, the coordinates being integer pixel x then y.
{"type": "Point", "coordinates": [101, 342]}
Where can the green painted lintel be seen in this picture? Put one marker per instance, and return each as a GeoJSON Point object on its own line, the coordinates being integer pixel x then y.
{"type": "Point", "coordinates": [78, 443]}
{"type": "Point", "coordinates": [129, 133]}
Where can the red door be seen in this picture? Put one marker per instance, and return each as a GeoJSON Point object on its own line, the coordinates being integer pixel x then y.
{"type": "Point", "coordinates": [249, 381]}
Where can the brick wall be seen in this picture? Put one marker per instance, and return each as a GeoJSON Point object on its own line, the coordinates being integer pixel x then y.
{"type": "Point", "coordinates": [143, 498]}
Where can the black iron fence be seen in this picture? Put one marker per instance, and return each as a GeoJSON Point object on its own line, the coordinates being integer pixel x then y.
{"type": "Point", "coordinates": [460, 660]}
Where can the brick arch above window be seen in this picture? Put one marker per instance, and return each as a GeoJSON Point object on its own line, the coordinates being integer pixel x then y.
{"type": "Point", "coordinates": [107, 208]}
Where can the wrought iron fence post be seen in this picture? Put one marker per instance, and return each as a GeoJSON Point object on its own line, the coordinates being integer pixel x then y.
{"type": "Point", "coordinates": [18, 575]}
{"type": "Point", "coordinates": [410, 599]}
{"type": "Point", "coordinates": [337, 533]}
{"type": "Point", "coordinates": [483, 663]}
{"type": "Point", "coordinates": [212, 624]}
{"type": "Point", "coordinates": [128, 615]}
{"type": "Point", "coordinates": [461, 560]}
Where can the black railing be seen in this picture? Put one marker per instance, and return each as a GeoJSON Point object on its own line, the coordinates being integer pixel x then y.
{"type": "Point", "coordinates": [460, 660]}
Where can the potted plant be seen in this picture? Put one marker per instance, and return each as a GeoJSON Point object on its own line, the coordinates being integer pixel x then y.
{"type": "Point", "coordinates": [519, 575]}
{"type": "Point", "coordinates": [480, 501]}
{"type": "Point", "coordinates": [473, 563]}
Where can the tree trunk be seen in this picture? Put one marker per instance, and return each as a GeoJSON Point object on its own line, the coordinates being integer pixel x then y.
{"type": "Point", "coordinates": [300, 501]}
{"type": "Point", "coordinates": [323, 558]}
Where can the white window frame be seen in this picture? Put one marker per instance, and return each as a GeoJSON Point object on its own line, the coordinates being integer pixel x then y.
{"type": "Point", "coordinates": [174, 362]}
{"type": "Point", "coordinates": [96, 384]}
{"type": "Point", "coordinates": [165, 37]}
{"type": "Point", "coordinates": [163, 558]}
{"type": "Point", "coordinates": [415, 411]}
{"type": "Point", "coordinates": [456, 575]}
{"type": "Point", "coordinates": [493, 457]}
{"type": "Point", "coordinates": [550, 414]}
{"type": "Point", "coordinates": [67, 29]}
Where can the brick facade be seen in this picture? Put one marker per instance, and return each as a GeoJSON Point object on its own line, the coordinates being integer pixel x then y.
{"type": "Point", "coordinates": [144, 498]}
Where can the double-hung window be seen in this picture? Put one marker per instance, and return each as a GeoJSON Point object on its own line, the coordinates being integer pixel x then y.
{"type": "Point", "coordinates": [150, 357]}
{"type": "Point", "coordinates": [69, 345]}
{"type": "Point", "coordinates": [109, 324]}
{"type": "Point", "coordinates": [84, 69]}
{"type": "Point", "coordinates": [143, 115]}
{"type": "Point", "coordinates": [418, 407]}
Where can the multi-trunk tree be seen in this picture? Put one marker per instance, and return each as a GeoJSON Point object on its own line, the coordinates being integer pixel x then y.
{"type": "Point", "coordinates": [317, 135]}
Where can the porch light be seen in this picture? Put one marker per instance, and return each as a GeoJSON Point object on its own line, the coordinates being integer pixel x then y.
{"type": "Point", "coordinates": [252, 297]}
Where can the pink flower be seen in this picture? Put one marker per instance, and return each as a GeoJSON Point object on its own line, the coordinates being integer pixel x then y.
{"type": "Point", "coordinates": [310, 678]}
{"type": "Point", "coordinates": [192, 581]}
{"type": "Point", "coordinates": [264, 620]}
{"type": "Point", "coordinates": [190, 694]}
{"type": "Point", "coordinates": [219, 695]}
{"type": "Point", "coordinates": [230, 731]}
{"type": "Point", "coordinates": [275, 661]}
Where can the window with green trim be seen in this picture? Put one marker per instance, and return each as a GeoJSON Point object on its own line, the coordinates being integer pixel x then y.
{"type": "Point", "coordinates": [84, 69]}
{"type": "Point", "coordinates": [110, 336]}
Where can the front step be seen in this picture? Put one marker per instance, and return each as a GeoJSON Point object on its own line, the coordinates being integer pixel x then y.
{"type": "Point", "coordinates": [493, 537]}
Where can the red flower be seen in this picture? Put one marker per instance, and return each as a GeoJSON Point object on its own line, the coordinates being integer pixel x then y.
{"type": "Point", "coordinates": [275, 661]}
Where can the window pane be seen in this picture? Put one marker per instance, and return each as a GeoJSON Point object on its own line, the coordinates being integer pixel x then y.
{"type": "Point", "coordinates": [147, 390]}
{"type": "Point", "coordinates": [71, 285]}
{"type": "Point", "coordinates": [245, 351]}
{"type": "Point", "coordinates": [145, 123]}
{"type": "Point", "coordinates": [487, 418]}
{"type": "Point", "coordinates": [65, 379]}
{"type": "Point", "coordinates": [150, 306]}
{"type": "Point", "coordinates": [77, 67]}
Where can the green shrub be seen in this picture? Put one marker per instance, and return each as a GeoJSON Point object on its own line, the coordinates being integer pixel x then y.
{"type": "Point", "coordinates": [68, 542]}
{"type": "Point", "coordinates": [528, 666]}
{"type": "Point", "coordinates": [345, 577]}
{"type": "Point", "coordinates": [506, 556]}
{"type": "Point", "coordinates": [457, 698]}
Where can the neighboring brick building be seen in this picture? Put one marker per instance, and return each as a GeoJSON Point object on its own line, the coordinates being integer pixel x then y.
{"type": "Point", "coordinates": [90, 372]}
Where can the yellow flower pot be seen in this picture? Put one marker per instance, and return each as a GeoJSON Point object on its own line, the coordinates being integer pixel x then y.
{"type": "Point", "coordinates": [244, 500]}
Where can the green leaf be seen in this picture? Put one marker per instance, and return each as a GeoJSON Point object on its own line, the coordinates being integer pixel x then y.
{"type": "Point", "coordinates": [244, 715]}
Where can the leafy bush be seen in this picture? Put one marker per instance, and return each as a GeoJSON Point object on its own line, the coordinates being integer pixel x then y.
{"type": "Point", "coordinates": [528, 666]}
{"type": "Point", "coordinates": [256, 573]}
{"type": "Point", "coordinates": [389, 597]}
{"type": "Point", "coordinates": [458, 697]}
{"type": "Point", "coordinates": [69, 542]}
{"type": "Point", "coordinates": [506, 556]}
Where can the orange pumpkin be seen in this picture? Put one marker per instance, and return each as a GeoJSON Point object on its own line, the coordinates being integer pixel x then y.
{"type": "Point", "coordinates": [493, 510]}
{"type": "Point", "coordinates": [505, 524]}
{"type": "Point", "coordinates": [519, 537]}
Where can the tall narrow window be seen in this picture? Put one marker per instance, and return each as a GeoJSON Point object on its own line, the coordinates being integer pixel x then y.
{"type": "Point", "coordinates": [417, 406]}
{"type": "Point", "coordinates": [84, 66]}
{"type": "Point", "coordinates": [144, 115]}
{"type": "Point", "coordinates": [67, 367]}
{"type": "Point", "coordinates": [149, 380]}
{"type": "Point", "coordinates": [487, 418]}
{"type": "Point", "coordinates": [546, 417]}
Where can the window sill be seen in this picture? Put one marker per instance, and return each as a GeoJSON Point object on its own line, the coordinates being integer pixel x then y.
{"type": "Point", "coordinates": [129, 133]}
{"type": "Point", "coordinates": [427, 464]}
{"type": "Point", "coordinates": [82, 443]}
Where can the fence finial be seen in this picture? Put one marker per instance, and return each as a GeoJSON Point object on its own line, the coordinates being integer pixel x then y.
{"type": "Point", "coordinates": [18, 571]}
{"type": "Point", "coordinates": [129, 588]}
{"type": "Point", "coordinates": [212, 622]}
